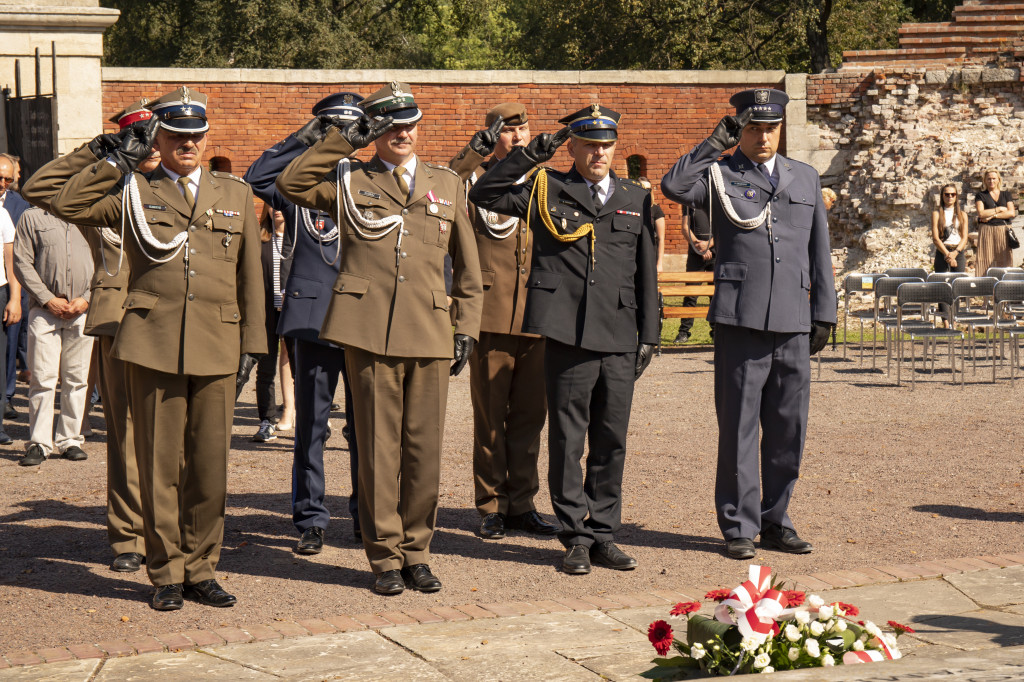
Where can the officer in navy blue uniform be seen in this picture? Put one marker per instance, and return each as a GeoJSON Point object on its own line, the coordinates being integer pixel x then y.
{"type": "Point", "coordinates": [315, 261]}
{"type": "Point", "coordinates": [774, 306]}
{"type": "Point", "coordinates": [593, 294]}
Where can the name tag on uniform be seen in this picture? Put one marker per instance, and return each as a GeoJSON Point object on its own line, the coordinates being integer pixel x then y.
{"type": "Point", "coordinates": [228, 214]}
{"type": "Point", "coordinates": [739, 184]}
{"type": "Point", "coordinates": [372, 195]}
{"type": "Point", "coordinates": [154, 207]}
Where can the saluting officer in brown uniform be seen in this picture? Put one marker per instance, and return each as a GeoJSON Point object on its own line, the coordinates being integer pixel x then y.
{"type": "Point", "coordinates": [399, 217]}
{"type": "Point", "coordinates": [194, 306]}
{"type": "Point", "coordinates": [506, 369]}
{"type": "Point", "coordinates": [109, 289]}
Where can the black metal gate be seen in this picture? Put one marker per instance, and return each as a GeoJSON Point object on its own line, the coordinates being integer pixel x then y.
{"type": "Point", "coordinates": [31, 122]}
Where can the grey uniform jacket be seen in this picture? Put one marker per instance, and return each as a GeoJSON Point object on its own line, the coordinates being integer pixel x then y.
{"type": "Point", "coordinates": [776, 278]}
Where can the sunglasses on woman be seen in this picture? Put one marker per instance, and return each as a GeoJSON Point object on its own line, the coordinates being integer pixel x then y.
{"type": "Point", "coordinates": [949, 194]}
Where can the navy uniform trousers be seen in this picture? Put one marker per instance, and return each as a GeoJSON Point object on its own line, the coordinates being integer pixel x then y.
{"type": "Point", "coordinates": [760, 377]}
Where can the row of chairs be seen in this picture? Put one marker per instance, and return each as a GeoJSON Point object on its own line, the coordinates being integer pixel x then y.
{"type": "Point", "coordinates": [910, 304]}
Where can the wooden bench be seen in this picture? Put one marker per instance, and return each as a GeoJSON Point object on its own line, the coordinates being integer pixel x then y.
{"type": "Point", "coordinates": [677, 284]}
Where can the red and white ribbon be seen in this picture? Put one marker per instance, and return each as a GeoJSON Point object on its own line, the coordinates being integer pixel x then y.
{"type": "Point", "coordinates": [869, 656]}
{"type": "Point", "coordinates": [753, 607]}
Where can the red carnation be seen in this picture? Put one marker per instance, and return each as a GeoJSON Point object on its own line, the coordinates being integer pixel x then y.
{"type": "Point", "coordinates": [660, 634]}
{"type": "Point", "coordinates": [718, 595]}
{"type": "Point", "coordinates": [683, 608]}
{"type": "Point", "coordinates": [848, 609]}
{"type": "Point", "coordinates": [794, 597]}
{"type": "Point", "coordinates": [900, 629]}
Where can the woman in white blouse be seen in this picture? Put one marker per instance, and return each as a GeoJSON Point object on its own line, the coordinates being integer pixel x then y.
{"type": "Point", "coordinates": [949, 232]}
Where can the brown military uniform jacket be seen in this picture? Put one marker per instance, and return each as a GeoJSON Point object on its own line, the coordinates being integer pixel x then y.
{"type": "Point", "coordinates": [389, 300]}
{"type": "Point", "coordinates": [196, 313]}
{"type": "Point", "coordinates": [504, 262]}
{"type": "Point", "coordinates": [108, 291]}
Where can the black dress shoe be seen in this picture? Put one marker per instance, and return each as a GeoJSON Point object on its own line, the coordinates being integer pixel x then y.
{"type": "Point", "coordinates": [389, 582]}
{"type": "Point", "coordinates": [784, 540]}
{"type": "Point", "coordinates": [10, 412]}
{"type": "Point", "coordinates": [576, 560]}
{"type": "Point", "coordinates": [740, 548]}
{"type": "Point", "coordinates": [419, 577]}
{"type": "Point", "coordinates": [74, 454]}
{"type": "Point", "coordinates": [311, 542]}
{"type": "Point", "coordinates": [492, 526]}
{"type": "Point", "coordinates": [34, 456]}
{"type": "Point", "coordinates": [531, 522]}
{"type": "Point", "coordinates": [208, 592]}
{"type": "Point", "coordinates": [128, 562]}
{"type": "Point", "coordinates": [607, 554]}
{"type": "Point", "coordinates": [168, 598]}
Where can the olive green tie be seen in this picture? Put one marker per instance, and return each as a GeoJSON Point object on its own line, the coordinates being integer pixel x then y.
{"type": "Point", "coordinates": [403, 186]}
{"type": "Point", "coordinates": [189, 199]}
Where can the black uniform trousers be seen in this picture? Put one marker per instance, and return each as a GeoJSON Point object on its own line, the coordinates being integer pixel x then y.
{"type": "Point", "coordinates": [589, 394]}
{"type": "Point", "coordinates": [760, 378]}
{"type": "Point", "coordinates": [266, 366]}
{"type": "Point", "coordinates": [317, 368]}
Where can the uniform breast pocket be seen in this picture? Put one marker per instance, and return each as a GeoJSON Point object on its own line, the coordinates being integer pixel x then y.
{"type": "Point", "coordinates": [371, 208]}
{"type": "Point", "coordinates": [626, 223]}
{"type": "Point", "coordinates": [439, 219]}
{"type": "Point", "coordinates": [566, 218]}
{"type": "Point", "coordinates": [227, 230]}
{"type": "Point", "coordinates": [801, 211]}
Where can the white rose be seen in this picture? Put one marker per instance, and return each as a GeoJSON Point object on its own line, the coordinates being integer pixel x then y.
{"type": "Point", "coordinates": [890, 639]}
{"type": "Point", "coordinates": [817, 628]}
{"type": "Point", "coordinates": [872, 629]}
{"type": "Point", "coordinates": [840, 626]}
{"type": "Point", "coordinates": [858, 645]}
{"type": "Point", "coordinates": [761, 660]}
{"type": "Point", "coordinates": [827, 661]}
{"type": "Point", "coordinates": [815, 601]}
{"type": "Point", "coordinates": [697, 651]}
{"type": "Point", "coordinates": [767, 669]}
{"type": "Point", "coordinates": [792, 633]}
{"type": "Point", "coordinates": [748, 644]}
{"type": "Point", "coordinates": [794, 653]}
{"type": "Point", "coordinates": [803, 617]}
{"type": "Point", "coordinates": [825, 612]}
{"type": "Point", "coordinates": [812, 648]}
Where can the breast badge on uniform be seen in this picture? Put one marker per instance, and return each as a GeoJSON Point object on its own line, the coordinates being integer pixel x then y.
{"type": "Point", "coordinates": [750, 194]}
{"type": "Point", "coordinates": [443, 225]}
{"type": "Point", "coordinates": [368, 214]}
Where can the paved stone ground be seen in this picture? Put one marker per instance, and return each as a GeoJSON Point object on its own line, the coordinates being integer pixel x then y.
{"type": "Point", "coordinates": [969, 626]}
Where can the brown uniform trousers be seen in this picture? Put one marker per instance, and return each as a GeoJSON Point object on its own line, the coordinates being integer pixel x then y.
{"type": "Point", "coordinates": [506, 367]}
{"type": "Point", "coordinates": [124, 508]}
{"type": "Point", "coordinates": [185, 324]}
{"type": "Point", "coordinates": [390, 312]}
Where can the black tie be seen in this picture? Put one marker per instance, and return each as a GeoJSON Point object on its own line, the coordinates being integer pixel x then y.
{"type": "Point", "coordinates": [595, 197]}
{"type": "Point", "coordinates": [764, 169]}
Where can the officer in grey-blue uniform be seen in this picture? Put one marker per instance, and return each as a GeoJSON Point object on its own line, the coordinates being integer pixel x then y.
{"type": "Point", "coordinates": [774, 306]}
{"type": "Point", "coordinates": [315, 260]}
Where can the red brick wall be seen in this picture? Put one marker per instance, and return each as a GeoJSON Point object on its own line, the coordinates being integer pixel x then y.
{"type": "Point", "coordinates": [838, 89]}
{"type": "Point", "coordinates": [659, 123]}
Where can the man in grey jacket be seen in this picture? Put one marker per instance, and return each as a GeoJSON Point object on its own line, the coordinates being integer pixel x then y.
{"type": "Point", "coordinates": [774, 306]}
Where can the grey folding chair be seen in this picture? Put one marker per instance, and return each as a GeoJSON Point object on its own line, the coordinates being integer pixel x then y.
{"type": "Point", "coordinates": [1013, 276]}
{"type": "Point", "coordinates": [907, 272]}
{"type": "Point", "coordinates": [972, 307]}
{"type": "Point", "coordinates": [947, 277]}
{"type": "Point", "coordinates": [885, 313]}
{"type": "Point", "coordinates": [1006, 295]}
{"type": "Point", "coordinates": [920, 299]}
{"type": "Point", "coordinates": [999, 272]}
{"type": "Point", "coordinates": [858, 282]}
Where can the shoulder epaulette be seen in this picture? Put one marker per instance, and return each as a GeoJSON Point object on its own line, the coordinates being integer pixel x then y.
{"type": "Point", "coordinates": [440, 167]}
{"type": "Point", "coordinates": [225, 174]}
{"type": "Point", "coordinates": [632, 182]}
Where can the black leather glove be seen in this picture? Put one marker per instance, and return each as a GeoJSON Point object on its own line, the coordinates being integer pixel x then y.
{"type": "Point", "coordinates": [365, 130]}
{"type": "Point", "coordinates": [136, 146]}
{"type": "Point", "coordinates": [727, 133]}
{"type": "Point", "coordinates": [644, 355]}
{"type": "Point", "coordinates": [245, 364]}
{"type": "Point", "coordinates": [544, 146]}
{"type": "Point", "coordinates": [820, 331]}
{"type": "Point", "coordinates": [103, 145]}
{"type": "Point", "coordinates": [314, 131]}
{"type": "Point", "coordinates": [484, 141]}
{"type": "Point", "coordinates": [463, 347]}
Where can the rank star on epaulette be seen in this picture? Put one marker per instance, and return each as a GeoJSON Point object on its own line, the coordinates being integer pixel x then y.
{"type": "Point", "coordinates": [622, 212]}
{"type": "Point", "coordinates": [228, 214]}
